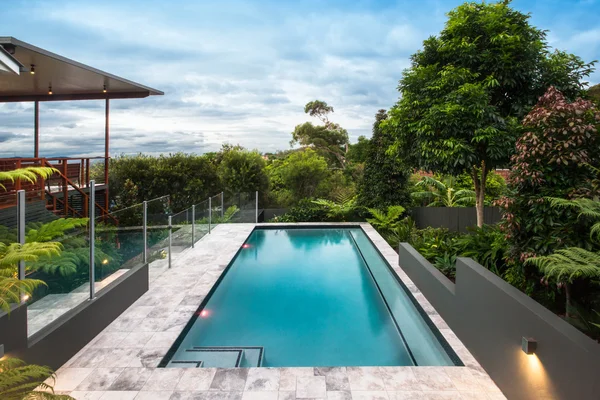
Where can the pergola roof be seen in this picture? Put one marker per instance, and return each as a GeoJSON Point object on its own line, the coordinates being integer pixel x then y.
{"type": "Point", "coordinates": [67, 79]}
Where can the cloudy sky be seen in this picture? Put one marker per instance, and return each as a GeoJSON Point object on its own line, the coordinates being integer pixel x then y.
{"type": "Point", "coordinates": [238, 71]}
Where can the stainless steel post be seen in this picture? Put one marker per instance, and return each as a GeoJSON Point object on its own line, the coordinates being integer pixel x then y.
{"type": "Point", "coordinates": [256, 217]}
{"type": "Point", "coordinates": [21, 228]}
{"type": "Point", "coordinates": [92, 239]}
{"type": "Point", "coordinates": [209, 213]}
{"type": "Point", "coordinates": [193, 224]}
{"type": "Point", "coordinates": [170, 239]}
{"type": "Point", "coordinates": [145, 233]}
{"type": "Point", "coordinates": [222, 205]}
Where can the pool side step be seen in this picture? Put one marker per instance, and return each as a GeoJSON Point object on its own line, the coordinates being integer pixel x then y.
{"type": "Point", "coordinates": [219, 357]}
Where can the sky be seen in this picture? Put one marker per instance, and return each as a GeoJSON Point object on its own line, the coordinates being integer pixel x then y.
{"type": "Point", "coordinates": [238, 72]}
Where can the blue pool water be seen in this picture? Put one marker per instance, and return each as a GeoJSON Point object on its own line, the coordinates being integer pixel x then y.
{"type": "Point", "coordinates": [307, 298]}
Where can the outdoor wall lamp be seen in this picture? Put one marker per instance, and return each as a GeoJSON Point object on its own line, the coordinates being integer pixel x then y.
{"type": "Point", "coordinates": [528, 345]}
{"type": "Point", "coordinates": [50, 89]}
{"type": "Point", "coordinates": [104, 90]}
{"type": "Point", "coordinates": [32, 70]}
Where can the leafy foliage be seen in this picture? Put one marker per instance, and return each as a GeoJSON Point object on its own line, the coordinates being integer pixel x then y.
{"type": "Point", "coordinates": [18, 381]}
{"type": "Point", "coordinates": [358, 152]}
{"type": "Point", "coordinates": [465, 90]}
{"type": "Point", "coordinates": [385, 221]}
{"type": "Point", "coordinates": [339, 210]}
{"type": "Point", "coordinates": [243, 171]}
{"type": "Point", "coordinates": [436, 193]}
{"type": "Point", "coordinates": [329, 139]}
{"type": "Point", "coordinates": [486, 245]}
{"type": "Point", "coordinates": [568, 265]}
{"type": "Point", "coordinates": [385, 177]}
{"type": "Point", "coordinates": [29, 174]}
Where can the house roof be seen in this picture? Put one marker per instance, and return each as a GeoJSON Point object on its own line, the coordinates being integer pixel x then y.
{"type": "Point", "coordinates": [65, 78]}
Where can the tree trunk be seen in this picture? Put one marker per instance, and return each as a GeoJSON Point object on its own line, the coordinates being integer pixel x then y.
{"type": "Point", "coordinates": [479, 178]}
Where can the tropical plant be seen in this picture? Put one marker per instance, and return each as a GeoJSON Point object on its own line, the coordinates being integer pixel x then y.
{"type": "Point", "coordinates": [446, 263]}
{"type": "Point", "coordinates": [486, 245]}
{"type": "Point", "coordinates": [466, 89]}
{"type": "Point", "coordinates": [436, 193]}
{"type": "Point", "coordinates": [568, 265]}
{"type": "Point", "coordinates": [340, 209]}
{"type": "Point", "coordinates": [384, 221]}
{"type": "Point", "coordinates": [385, 177]}
{"type": "Point", "coordinates": [29, 174]}
{"type": "Point", "coordinates": [19, 381]}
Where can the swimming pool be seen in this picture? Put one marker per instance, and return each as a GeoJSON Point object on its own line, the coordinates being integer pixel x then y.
{"type": "Point", "coordinates": [309, 297]}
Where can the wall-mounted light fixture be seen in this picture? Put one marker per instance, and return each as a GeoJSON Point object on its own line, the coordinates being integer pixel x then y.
{"type": "Point", "coordinates": [32, 69]}
{"type": "Point", "coordinates": [104, 90]}
{"type": "Point", "coordinates": [528, 345]}
{"type": "Point", "coordinates": [50, 89]}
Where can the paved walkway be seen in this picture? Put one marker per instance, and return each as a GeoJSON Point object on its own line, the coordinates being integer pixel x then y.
{"type": "Point", "coordinates": [120, 363]}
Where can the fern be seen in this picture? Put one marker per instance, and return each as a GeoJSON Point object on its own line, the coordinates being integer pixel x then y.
{"type": "Point", "coordinates": [385, 221]}
{"type": "Point", "coordinates": [568, 264]}
{"type": "Point", "coordinates": [11, 254]}
{"type": "Point", "coordinates": [39, 232]}
{"type": "Point", "coordinates": [19, 381]}
{"type": "Point", "coordinates": [340, 209]}
{"type": "Point", "coordinates": [11, 290]}
{"type": "Point", "coordinates": [29, 174]}
{"type": "Point", "coordinates": [587, 208]}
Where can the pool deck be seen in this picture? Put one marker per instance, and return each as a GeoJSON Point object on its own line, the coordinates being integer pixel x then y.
{"type": "Point", "coordinates": [121, 362]}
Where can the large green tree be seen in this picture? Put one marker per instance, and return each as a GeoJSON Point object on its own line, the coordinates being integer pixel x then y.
{"type": "Point", "coordinates": [385, 179]}
{"type": "Point", "coordinates": [329, 139]}
{"type": "Point", "coordinates": [466, 90]}
{"type": "Point", "coordinates": [243, 171]}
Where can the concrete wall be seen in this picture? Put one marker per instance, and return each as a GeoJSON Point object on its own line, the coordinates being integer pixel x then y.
{"type": "Point", "coordinates": [456, 219]}
{"type": "Point", "coordinates": [490, 317]}
{"type": "Point", "coordinates": [63, 338]}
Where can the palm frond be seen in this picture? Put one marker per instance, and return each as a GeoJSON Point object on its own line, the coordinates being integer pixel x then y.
{"type": "Point", "coordinates": [568, 264]}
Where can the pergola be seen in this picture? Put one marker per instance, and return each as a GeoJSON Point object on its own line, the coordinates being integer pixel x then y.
{"type": "Point", "coordinates": [31, 74]}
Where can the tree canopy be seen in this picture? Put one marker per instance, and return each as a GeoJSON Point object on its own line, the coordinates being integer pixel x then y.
{"type": "Point", "coordinates": [466, 89]}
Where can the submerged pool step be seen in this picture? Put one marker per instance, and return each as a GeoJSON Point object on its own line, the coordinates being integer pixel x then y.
{"type": "Point", "coordinates": [219, 357]}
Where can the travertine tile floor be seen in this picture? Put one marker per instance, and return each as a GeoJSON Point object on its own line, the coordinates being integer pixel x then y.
{"type": "Point", "coordinates": [120, 363]}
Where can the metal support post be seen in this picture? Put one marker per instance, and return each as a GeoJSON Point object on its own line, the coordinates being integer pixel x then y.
{"type": "Point", "coordinates": [209, 213]}
{"type": "Point", "coordinates": [222, 205]}
{"type": "Point", "coordinates": [193, 225]}
{"type": "Point", "coordinates": [145, 232]}
{"type": "Point", "coordinates": [170, 238]}
{"type": "Point", "coordinates": [92, 238]}
{"type": "Point", "coordinates": [256, 217]}
{"type": "Point", "coordinates": [21, 228]}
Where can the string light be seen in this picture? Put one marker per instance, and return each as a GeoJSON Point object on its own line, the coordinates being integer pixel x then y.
{"type": "Point", "coordinates": [32, 70]}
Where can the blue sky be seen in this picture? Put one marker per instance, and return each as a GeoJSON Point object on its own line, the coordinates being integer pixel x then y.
{"type": "Point", "coordinates": [238, 71]}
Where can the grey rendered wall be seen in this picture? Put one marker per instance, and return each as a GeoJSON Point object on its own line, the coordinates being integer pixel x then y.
{"type": "Point", "coordinates": [456, 219]}
{"type": "Point", "coordinates": [13, 328]}
{"type": "Point", "coordinates": [490, 317]}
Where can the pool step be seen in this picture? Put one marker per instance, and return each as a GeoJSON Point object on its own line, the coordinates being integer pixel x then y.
{"type": "Point", "coordinates": [219, 357]}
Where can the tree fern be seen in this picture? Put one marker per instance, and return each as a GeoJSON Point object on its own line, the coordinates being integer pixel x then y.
{"type": "Point", "coordinates": [568, 265]}
{"type": "Point", "coordinates": [29, 174]}
{"type": "Point", "coordinates": [19, 381]}
{"type": "Point", "coordinates": [340, 209]}
{"type": "Point", "coordinates": [385, 221]}
{"type": "Point", "coordinates": [39, 232]}
{"type": "Point", "coordinates": [11, 254]}
{"type": "Point", "coordinates": [587, 208]}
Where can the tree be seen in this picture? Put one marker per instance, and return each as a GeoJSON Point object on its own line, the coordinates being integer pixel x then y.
{"type": "Point", "coordinates": [385, 178]}
{"type": "Point", "coordinates": [442, 193]}
{"type": "Point", "coordinates": [243, 171]}
{"type": "Point", "coordinates": [329, 139]}
{"type": "Point", "coordinates": [466, 89]}
{"type": "Point", "coordinates": [298, 176]}
{"type": "Point", "coordinates": [358, 151]}
{"type": "Point", "coordinates": [557, 156]}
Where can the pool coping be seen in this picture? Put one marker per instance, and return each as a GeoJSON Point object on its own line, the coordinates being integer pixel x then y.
{"type": "Point", "coordinates": [139, 339]}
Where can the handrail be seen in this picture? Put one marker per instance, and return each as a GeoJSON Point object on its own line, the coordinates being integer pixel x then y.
{"type": "Point", "coordinates": [84, 194]}
{"type": "Point", "coordinates": [29, 159]}
{"type": "Point", "coordinates": [56, 199]}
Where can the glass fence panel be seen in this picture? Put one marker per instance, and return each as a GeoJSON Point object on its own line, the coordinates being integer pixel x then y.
{"type": "Point", "coordinates": [65, 273]}
{"type": "Point", "coordinates": [181, 231]}
{"type": "Point", "coordinates": [217, 211]}
{"type": "Point", "coordinates": [240, 207]}
{"type": "Point", "coordinates": [119, 244]}
{"type": "Point", "coordinates": [158, 232]}
{"type": "Point", "coordinates": [201, 215]}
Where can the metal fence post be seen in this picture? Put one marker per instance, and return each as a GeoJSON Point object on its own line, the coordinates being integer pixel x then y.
{"type": "Point", "coordinates": [170, 239]}
{"type": "Point", "coordinates": [21, 229]}
{"type": "Point", "coordinates": [209, 213]}
{"type": "Point", "coordinates": [193, 224]}
{"type": "Point", "coordinates": [92, 239]}
{"type": "Point", "coordinates": [145, 232]}
{"type": "Point", "coordinates": [256, 217]}
{"type": "Point", "coordinates": [222, 205]}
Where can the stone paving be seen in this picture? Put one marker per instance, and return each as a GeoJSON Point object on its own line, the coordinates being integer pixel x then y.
{"type": "Point", "coordinates": [121, 362]}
